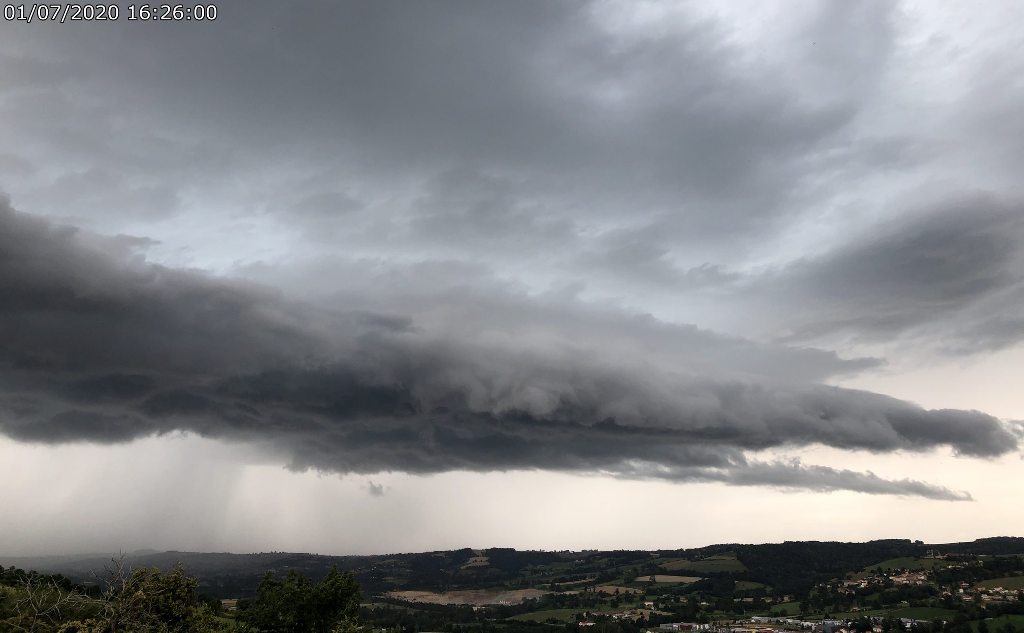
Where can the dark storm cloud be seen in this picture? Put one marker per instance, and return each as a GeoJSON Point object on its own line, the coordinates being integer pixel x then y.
{"type": "Point", "coordinates": [96, 344]}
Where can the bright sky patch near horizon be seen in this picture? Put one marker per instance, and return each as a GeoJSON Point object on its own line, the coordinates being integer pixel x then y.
{"type": "Point", "coordinates": [373, 276]}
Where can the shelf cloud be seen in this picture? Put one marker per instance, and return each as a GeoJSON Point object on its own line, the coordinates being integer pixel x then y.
{"type": "Point", "coordinates": [102, 346]}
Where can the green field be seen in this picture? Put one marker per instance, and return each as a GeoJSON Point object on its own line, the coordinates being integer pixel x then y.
{"type": "Point", "coordinates": [561, 615]}
{"type": "Point", "coordinates": [908, 562]}
{"type": "Point", "coordinates": [711, 564]}
{"type": "Point", "coordinates": [574, 583]}
{"type": "Point", "coordinates": [642, 581]}
{"type": "Point", "coordinates": [388, 605]}
{"type": "Point", "coordinates": [924, 613]}
{"type": "Point", "coordinates": [748, 585]}
{"type": "Point", "coordinates": [917, 613]}
{"type": "Point", "coordinates": [994, 624]}
{"type": "Point", "coordinates": [1010, 582]}
{"type": "Point", "coordinates": [787, 608]}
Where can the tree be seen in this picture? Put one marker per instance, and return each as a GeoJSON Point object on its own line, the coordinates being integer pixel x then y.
{"type": "Point", "coordinates": [42, 603]}
{"type": "Point", "coordinates": [335, 598]}
{"type": "Point", "coordinates": [295, 605]}
{"type": "Point", "coordinates": [131, 601]}
{"type": "Point", "coordinates": [146, 601]}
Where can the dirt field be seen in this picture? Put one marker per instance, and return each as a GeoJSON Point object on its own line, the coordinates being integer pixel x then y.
{"type": "Point", "coordinates": [473, 597]}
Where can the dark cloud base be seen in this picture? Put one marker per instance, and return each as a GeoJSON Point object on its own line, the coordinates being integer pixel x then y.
{"type": "Point", "coordinates": [98, 345]}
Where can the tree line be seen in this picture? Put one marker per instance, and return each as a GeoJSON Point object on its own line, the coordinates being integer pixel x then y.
{"type": "Point", "coordinates": [147, 600]}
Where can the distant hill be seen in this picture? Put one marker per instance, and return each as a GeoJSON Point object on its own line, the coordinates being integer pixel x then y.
{"type": "Point", "coordinates": [791, 567]}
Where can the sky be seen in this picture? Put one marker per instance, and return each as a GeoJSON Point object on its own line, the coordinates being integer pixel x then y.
{"type": "Point", "coordinates": [358, 277]}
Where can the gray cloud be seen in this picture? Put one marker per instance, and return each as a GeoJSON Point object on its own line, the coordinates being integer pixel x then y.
{"type": "Point", "coordinates": [99, 345]}
{"type": "Point", "coordinates": [947, 277]}
{"type": "Point", "coordinates": [589, 117]}
{"type": "Point", "coordinates": [618, 154]}
{"type": "Point", "coordinates": [951, 274]}
{"type": "Point", "coordinates": [793, 475]}
{"type": "Point", "coordinates": [662, 163]}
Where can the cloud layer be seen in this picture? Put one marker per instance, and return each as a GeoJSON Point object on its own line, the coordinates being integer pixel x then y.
{"type": "Point", "coordinates": [821, 175]}
{"type": "Point", "coordinates": [950, 275]}
{"type": "Point", "coordinates": [99, 345]}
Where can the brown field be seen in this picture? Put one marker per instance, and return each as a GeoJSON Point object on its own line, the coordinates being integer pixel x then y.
{"type": "Point", "coordinates": [473, 597]}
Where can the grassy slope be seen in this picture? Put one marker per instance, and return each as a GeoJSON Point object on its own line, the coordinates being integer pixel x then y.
{"type": "Point", "coordinates": [720, 563]}
{"type": "Point", "coordinates": [788, 608]}
{"type": "Point", "coordinates": [747, 585]}
{"type": "Point", "coordinates": [1010, 582]}
{"type": "Point", "coordinates": [994, 624]}
{"type": "Point", "coordinates": [908, 562]}
{"type": "Point", "coordinates": [561, 615]}
{"type": "Point", "coordinates": [918, 613]}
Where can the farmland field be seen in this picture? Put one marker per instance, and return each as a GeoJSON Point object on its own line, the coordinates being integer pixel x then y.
{"type": "Point", "coordinates": [476, 561]}
{"type": "Point", "coordinates": [748, 585]}
{"type": "Point", "coordinates": [787, 608]}
{"type": "Point", "coordinates": [917, 613]}
{"type": "Point", "coordinates": [573, 583]}
{"type": "Point", "coordinates": [612, 589]}
{"type": "Point", "coordinates": [561, 615]}
{"type": "Point", "coordinates": [711, 564]}
{"type": "Point", "coordinates": [1010, 582]}
{"type": "Point", "coordinates": [669, 579]}
{"type": "Point", "coordinates": [994, 624]}
{"type": "Point", "coordinates": [474, 597]}
{"type": "Point", "coordinates": [924, 613]}
{"type": "Point", "coordinates": [908, 562]}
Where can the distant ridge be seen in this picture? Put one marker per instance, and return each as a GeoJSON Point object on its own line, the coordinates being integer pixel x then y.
{"type": "Point", "coordinates": [790, 566]}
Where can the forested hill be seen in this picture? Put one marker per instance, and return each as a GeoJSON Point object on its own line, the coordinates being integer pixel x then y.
{"type": "Point", "coordinates": [792, 567]}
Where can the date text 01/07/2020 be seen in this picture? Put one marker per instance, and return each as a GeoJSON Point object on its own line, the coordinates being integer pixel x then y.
{"type": "Point", "coordinates": [41, 12]}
